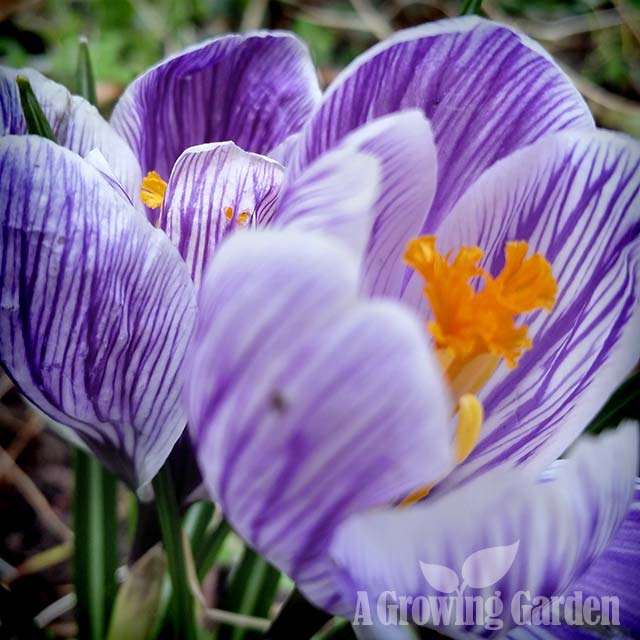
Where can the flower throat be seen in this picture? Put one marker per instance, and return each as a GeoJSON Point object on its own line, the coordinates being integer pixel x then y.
{"type": "Point", "coordinates": [474, 321]}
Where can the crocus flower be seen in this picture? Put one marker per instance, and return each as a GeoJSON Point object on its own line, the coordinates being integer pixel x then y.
{"type": "Point", "coordinates": [97, 304]}
{"type": "Point", "coordinates": [321, 415]}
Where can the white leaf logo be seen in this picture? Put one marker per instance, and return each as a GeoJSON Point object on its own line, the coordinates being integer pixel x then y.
{"type": "Point", "coordinates": [485, 567]}
{"type": "Point", "coordinates": [441, 578]}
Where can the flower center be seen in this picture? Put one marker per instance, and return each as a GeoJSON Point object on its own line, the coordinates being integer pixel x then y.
{"type": "Point", "coordinates": [474, 320]}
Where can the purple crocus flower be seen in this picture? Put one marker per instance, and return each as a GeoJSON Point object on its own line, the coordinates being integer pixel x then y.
{"type": "Point", "coordinates": [97, 304]}
{"type": "Point", "coordinates": [317, 407]}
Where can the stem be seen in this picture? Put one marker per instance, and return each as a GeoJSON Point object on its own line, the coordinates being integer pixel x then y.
{"type": "Point", "coordinates": [208, 550]}
{"type": "Point", "coordinates": [471, 6]}
{"type": "Point", "coordinates": [252, 590]}
{"type": "Point", "coordinates": [206, 546]}
{"type": "Point", "coordinates": [169, 516]}
{"type": "Point", "coordinates": [197, 521]}
{"type": "Point", "coordinates": [95, 524]}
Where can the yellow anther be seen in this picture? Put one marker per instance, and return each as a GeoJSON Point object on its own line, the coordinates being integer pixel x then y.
{"type": "Point", "coordinates": [243, 217]}
{"type": "Point", "coordinates": [470, 416]}
{"type": "Point", "coordinates": [153, 190]}
{"type": "Point", "coordinates": [416, 496]}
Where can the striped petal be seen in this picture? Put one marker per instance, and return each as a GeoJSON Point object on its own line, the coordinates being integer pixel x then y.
{"type": "Point", "coordinates": [617, 571]}
{"type": "Point", "coordinates": [77, 124]}
{"type": "Point", "coordinates": [576, 199]}
{"type": "Point", "coordinates": [96, 307]}
{"type": "Point", "coordinates": [568, 632]}
{"type": "Point", "coordinates": [215, 189]}
{"type": "Point", "coordinates": [535, 535]}
{"type": "Point", "coordinates": [485, 89]}
{"type": "Point", "coordinates": [366, 194]}
{"type": "Point", "coordinates": [334, 196]}
{"type": "Point", "coordinates": [307, 404]}
{"type": "Point", "coordinates": [254, 89]}
{"type": "Point", "coordinates": [614, 574]}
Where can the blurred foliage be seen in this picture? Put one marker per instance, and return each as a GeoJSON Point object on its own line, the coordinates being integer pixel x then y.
{"type": "Point", "coordinates": [597, 40]}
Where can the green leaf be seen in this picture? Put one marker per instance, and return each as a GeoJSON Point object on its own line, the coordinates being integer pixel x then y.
{"type": "Point", "coordinates": [37, 123]}
{"type": "Point", "coordinates": [251, 593]}
{"type": "Point", "coordinates": [138, 598]}
{"type": "Point", "coordinates": [471, 6]}
{"type": "Point", "coordinates": [197, 521]}
{"type": "Point", "coordinates": [209, 548]}
{"type": "Point", "coordinates": [206, 544]}
{"type": "Point", "coordinates": [86, 85]}
{"type": "Point", "coordinates": [170, 525]}
{"type": "Point", "coordinates": [95, 557]}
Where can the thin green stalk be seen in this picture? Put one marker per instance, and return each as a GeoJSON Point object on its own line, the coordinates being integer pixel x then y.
{"type": "Point", "coordinates": [197, 521]}
{"type": "Point", "coordinates": [36, 121]}
{"type": "Point", "coordinates": [253, 588]}
{"type": "Point", "coordinates": [85, 80]}
{"type": "Point", "coordinates": [206, 546]}
{"type": "Point", "coordinates": [170, 525]}
{"type": "Point", "coordinates": [471, 6]}
{"type": "Point", "coordinates": [95, 557]}
{"type": "Point", "coordinates": [209, 548]}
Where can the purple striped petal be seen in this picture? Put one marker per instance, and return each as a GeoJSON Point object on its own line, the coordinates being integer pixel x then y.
{"type": "Point", "coordinates": [569, 632]}
{"type": "Point", "coordinates": [283, 152]}
{"type": "Point", "coordinates": [253, 89]}
{"type": "Point", "coordinates": [377, 206]}
{"type": "Point", "coordinates": [77, 124]}
{"type": "Point", "coordinates": [307, 404]}
{"type": "Point", "coordinates": [486, 90]}
{"type": "Point", "coordinates": [560, 524]}
{"type": "Point", "coordinates": [575, 198]}
{"type": "Point", "coordinates": [96, 307]}
{"type": "Point", "coordinates": [99, 162]}
{"type": "Point", "coordinates": [617, 571]}
{"type": "Point", "coordinates": [334, 196]}
{"type": "Point", "coordinates": [207, 183]}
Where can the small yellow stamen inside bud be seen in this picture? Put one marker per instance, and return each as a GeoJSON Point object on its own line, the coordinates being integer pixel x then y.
{"type": "Point", "coordinates": [153, 190]}
{"type": "Point", "coordinates": [243, 217]}
{"type": "Point", "coordinates": [470, 416]}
